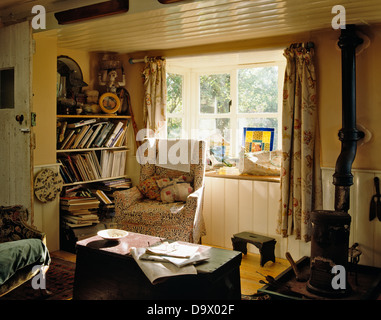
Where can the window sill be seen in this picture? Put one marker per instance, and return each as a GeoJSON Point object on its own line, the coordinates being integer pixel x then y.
{"type": "Point", "coordinates": [237, 175]}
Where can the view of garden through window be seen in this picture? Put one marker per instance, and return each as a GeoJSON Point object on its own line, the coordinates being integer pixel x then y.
{"type": "Point", "coordinates": [223, 103]}
{"type": "Point", "coordinates": [174, 104]}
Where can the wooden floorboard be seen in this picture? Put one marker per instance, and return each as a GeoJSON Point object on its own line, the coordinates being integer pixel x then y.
{"type": "Point", "coordinates": [64, 255]}
{"type": "Point", "coordinates": [251, 271]}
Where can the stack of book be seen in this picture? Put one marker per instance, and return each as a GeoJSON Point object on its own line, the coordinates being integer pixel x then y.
{"type": "Point", "coordinates": [79, 211]}
{"type": "Point", "coordinates": [91, 134]}
{"type": "Point", "coordinates": [110, 186]}
{"type": "Point", "coordinates": [103, 197]}
{"type": "Point", "coordinates": [106, 209]}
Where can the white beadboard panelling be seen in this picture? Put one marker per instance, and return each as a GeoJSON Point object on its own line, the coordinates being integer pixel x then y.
{"type": "Point", "coordinates": [231, 210]}
{"type": "Point", "coordinates": [362, 230]}
{"type": "Point", "coordinates": [260, 206]}
{"type": "Point", "coordinates": [207, 211]}
{"type": "Point", "coordinates": [234, 205]}
{"type": "Point", "coordinates": [377, 233]}
{"type": "Point", "coordinates": [218, 213]}
{"type": "Point", "coordinates": [245, 202]}
{"type": "Point", "coordinates": [273, 207]}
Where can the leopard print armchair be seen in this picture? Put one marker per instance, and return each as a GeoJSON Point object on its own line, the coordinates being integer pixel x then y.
{"type": "Point", "coordinates": [178, 220]}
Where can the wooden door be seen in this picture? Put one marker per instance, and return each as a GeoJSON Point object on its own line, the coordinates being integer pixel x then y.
{"type": "Point", "coordinates": [15, 115]}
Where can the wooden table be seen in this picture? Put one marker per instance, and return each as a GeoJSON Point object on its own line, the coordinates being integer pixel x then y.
{"type": "Point", "coordinates": [106, 270]}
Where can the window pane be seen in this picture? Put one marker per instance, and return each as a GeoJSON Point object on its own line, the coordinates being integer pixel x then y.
{"type": "Point", "coordinates": [258, 90]}
{"type": "Point", "coordinates": [174, 93]}
{"type": "Point", "coordinates": [217, 133]}
{"type": "Point", "coordinates": [7, 89]}
{"type": "Point", "coordinates": [174, 127]}
{"type": "Point", "coordinates": [215, 93]}
{"type": "Point", "coordinates": [258, 123]}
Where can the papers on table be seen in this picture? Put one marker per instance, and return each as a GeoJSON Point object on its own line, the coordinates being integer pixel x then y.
{"type": "Point", "coordinates": [174, 249]}
{"type": "Point", "coordinates": [169, 259]}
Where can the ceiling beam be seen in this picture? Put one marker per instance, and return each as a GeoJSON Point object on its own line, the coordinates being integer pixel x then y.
{"type": "Point", "coordinates": [93, 11]}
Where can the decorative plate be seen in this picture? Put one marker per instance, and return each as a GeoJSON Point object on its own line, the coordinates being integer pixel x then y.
{"type": "Point", "coordinates": [109, 102]}
{"type": "Point", "coordinates": [47, 185]}
{"type": "Point", "coordinates": [112, 234]}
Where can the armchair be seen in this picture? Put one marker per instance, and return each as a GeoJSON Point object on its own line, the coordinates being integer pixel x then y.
{"type": "Point", "coordinates": [21, 248]}
{"type": "Point", "coordinates": [181, 221]}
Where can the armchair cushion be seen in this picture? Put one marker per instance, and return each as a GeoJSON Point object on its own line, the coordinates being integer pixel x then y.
{"type": "Point", "coordinates": [176, 192]}
{"type": "Point", "coordinates": [166, 189]}
{"type": "Point", "coordinates": [16, 255]}
{"type": "Point", "coordinates": [149, 188]}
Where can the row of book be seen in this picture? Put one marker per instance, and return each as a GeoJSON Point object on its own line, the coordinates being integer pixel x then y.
{"type": "Point", "coordinates": [87, 166]}
{"type": "Point", "coordinates": [91, 134]}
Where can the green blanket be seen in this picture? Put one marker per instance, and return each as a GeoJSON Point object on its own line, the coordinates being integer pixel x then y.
{"type": "Point", "coordinates": [15, 255]}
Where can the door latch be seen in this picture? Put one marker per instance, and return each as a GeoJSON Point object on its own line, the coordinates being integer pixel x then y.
{"type": "Point", "coordinates": [20, 118]}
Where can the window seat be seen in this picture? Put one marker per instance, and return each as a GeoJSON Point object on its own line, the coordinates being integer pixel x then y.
{"type": "Point", "coordinates": [233, 173]}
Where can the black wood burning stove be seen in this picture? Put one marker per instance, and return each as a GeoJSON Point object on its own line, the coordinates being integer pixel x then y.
{"type": "Point", "coordinates": [329, 248]}
{"type": "Point", "coordinates": [330, 229]}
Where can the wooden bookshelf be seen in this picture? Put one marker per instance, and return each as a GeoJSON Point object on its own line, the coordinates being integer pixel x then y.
{"type": "Point", "coordinates": [81, 157]}
{"type": "Point", "coordinates": [92, 181]}
{"type": "Point", "coordinates": [89, 116]}
{"type": "Point", "coordinates": [91, 149]}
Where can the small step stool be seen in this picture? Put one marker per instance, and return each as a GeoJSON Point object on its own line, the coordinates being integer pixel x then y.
{"type": "Point", "coordinates": [265, 245]}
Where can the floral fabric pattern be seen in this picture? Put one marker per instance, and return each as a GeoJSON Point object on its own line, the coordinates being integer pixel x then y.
{"type": "Point", "coordinates": [300, 184]}
{"type": "Point", "coordinates": [149, 188]}
{"type": "Point", "coordinates": [155, 96]}
{"type": "Point", "coordinates": [13, 224]}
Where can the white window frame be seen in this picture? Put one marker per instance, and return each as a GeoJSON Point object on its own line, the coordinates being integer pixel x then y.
{"type": "Point", "coordinates": [186, 97]}
{"type": "Point", "coordinates": [191, 97]}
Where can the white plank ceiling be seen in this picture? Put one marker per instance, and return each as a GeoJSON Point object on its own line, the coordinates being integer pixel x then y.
{"type": "Point", "coordinates": [149, 25]}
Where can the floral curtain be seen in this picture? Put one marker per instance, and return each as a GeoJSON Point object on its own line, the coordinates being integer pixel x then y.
{"type": "Point", "coordinates": [301, 185]}
{"type": "Point", "coordinates": [155, 96]}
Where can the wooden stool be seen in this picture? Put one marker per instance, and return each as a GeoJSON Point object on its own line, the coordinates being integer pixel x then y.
{"type": "Point", "coordinates": [265, 245]}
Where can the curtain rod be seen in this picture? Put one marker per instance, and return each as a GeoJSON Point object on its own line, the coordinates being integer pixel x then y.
{"type": "Point", "coordinates": [132, 61]}
{"type": "Point", "coordinates": [145, 59]}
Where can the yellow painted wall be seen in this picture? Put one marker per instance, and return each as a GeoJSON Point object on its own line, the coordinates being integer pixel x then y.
{"type": "Point", "coordinates": [83, 60]}
{"type": "Point", "coordinates": [368, 70]}
{"type": "Point", "coordinates": [44, 92]}
{"type": "Point", "coordinates": [44, 98]}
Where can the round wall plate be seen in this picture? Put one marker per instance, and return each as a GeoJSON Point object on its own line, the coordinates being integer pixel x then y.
{"type": "Point", "coordinates": [47, 185]}
{"type": "Point", "coordinates": [109, 102]}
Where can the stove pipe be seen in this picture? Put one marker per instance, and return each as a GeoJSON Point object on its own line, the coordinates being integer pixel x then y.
{"type": "Point", "coordinates": [330, 229]}
{"type": "Point", "coordinates": [348, 134]}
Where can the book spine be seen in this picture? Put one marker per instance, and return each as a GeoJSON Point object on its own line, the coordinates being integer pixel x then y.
{"type": "Point", "coordinates": [81, 123]}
